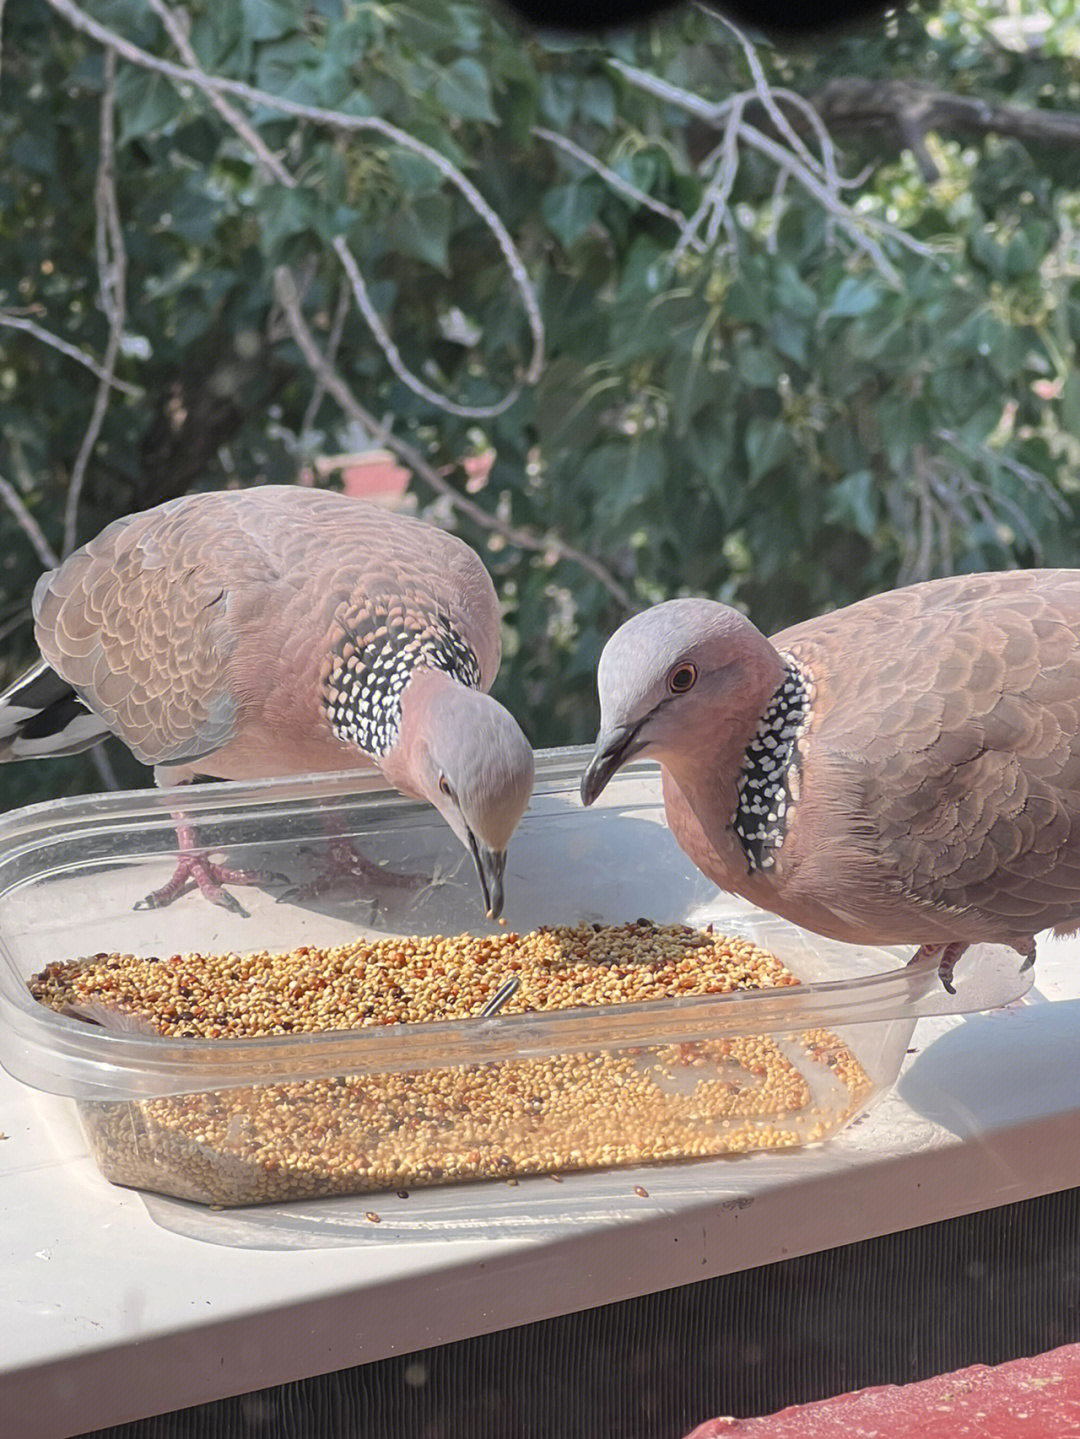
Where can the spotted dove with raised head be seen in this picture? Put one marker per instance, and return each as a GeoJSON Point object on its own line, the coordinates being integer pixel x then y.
{"type": "Point", "coordinates": [281, 630]}
{"type": "Point", "coordinates": [905, 770]}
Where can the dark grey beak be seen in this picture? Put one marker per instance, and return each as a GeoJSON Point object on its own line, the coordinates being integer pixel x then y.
{"type": "Point", "coordinates": [613, 749]}
{"type": "Point", "coordinates": [490, 864]}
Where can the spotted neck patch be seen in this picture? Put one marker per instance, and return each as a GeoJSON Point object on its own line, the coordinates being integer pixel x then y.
{"type": "Point", "coordinates": [374, 662]}
{"type": "Point", "coordinates": [767, 784]}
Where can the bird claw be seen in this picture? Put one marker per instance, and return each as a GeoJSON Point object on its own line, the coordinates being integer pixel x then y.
{"type": "Point", "coordinates": [345, 862]}
{"type": "Point", "coordinates": [197, 870]}
{"type": "Point", "coordinates": [228, 901]}
{"type": "Point", "coordinates": [946, 957]}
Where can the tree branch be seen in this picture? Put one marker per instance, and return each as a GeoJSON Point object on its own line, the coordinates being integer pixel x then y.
{"type": "Point", "coordinates": [112, 270]}
{"type": "Point", "coordinates": [289, 299]}
{"type": "Point", "coordinates": [29, 526]}
{"type": "Point", "coordinates": [271, 165]}
{"type": "Point", "coordinates": [264, 156]}
{"type": "Point", "coordinates": [616, 182]}
{"type": "Point", "coordinates": [910, 111]}
{"type": "Point", "coordinates": [393, 354]}
{"type": "Point", "coordinates": [819, 179]}
{"type": "Point", "coordinates": [20, 322]}
{"type": "Point", "coordinates": [337, 329]}
{"type": "Point", "coordinates": [217, 85]}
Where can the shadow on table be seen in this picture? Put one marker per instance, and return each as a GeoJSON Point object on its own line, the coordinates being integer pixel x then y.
{"type": "Point", "coordinates": [982, 1074]}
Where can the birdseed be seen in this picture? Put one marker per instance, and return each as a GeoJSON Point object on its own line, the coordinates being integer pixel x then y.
{"type": "Point", "coordinates": [498, 1119]}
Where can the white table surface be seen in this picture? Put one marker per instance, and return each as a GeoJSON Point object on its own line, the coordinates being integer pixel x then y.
{"type": "Point", "coordinates": [116, 1305]}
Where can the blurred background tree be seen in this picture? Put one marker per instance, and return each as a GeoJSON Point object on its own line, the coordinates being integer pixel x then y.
{"type": "Point", "coordinates": [675, 310]}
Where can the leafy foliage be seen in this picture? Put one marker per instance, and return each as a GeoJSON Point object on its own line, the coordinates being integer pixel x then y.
{"type": "Point", "coordinates": [769, 417]}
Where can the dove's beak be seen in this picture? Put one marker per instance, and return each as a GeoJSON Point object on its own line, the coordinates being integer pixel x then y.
{"type": "Point", "coordinates": [613, 749]}
{"type": "Point", "coordinates": [490, 865]}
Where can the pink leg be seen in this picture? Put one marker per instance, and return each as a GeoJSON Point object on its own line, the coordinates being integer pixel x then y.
{"type": "Point", "coordinates": [193, 867]}
{"type": "Point", "coordinates": [345, 862]}
{"type": "Point", "coordinates": [949, 954]}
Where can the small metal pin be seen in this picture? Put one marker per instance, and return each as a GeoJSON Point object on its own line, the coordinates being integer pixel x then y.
{"type": "Point", "coordinates": [501, 995]}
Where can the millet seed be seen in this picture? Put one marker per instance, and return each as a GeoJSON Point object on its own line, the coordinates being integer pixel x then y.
{"type": "Point", "coordinates": [505, 1119]}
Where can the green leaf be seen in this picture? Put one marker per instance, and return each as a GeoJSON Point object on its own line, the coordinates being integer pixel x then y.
{"type": "Point", "coordinates": [558, 99]}
{"type": "Point", "coordinates": [746, 299]}
{"type": "Point", "coordinates": [986, 251]}
{"type": "Point", "coordinates": [464, 90]}
{"type": "Point", "coordinates": [855, 501]}
{"type": "Point", "coordinates": [854, 296]}
{"type": "Point", "coordinates": [598, 101]}
{"type": "Point", "coordinates": [421, 229]}
{"type": "Point", "coordinates": [283, 213]}
{"type": "Point", "coordinates": [1020, 257]}
{"type": "Point", "coordinates": [195, 216]}
{"type": "Point", "coordinates": [570, 401]}
{"type": "Point", "coordinates": [570, 209]}
{"type": "Point", "coordinates": [268, 19]}
{"type": "Point", "coordinates": [795, 295]}
{"type": "Point", "coordinates": [414, 174]}
{"type": "Point", "coordinates": [643, 474]}
{"type": "Point", "coordinates": [35, 150]}
{"type": "Point", "coordinates": [789, 335]}
{"type": "Point", "coordinates": [146, 103]}
{"type": "Point", "coordinates": [768, 444]}
{"type": "Point", "coordinates": [1070, 403]}
{"type": "Point", "coordinates": [757, 366]}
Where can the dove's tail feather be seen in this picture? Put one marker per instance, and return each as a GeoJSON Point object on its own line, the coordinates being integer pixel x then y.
{"type": "Point", "coordinates": [41, 715]}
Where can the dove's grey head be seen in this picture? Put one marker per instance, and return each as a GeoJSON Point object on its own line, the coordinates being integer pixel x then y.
{"type": "Point", "coordinates": [673, 681]}
{"type": "Point", "coordinates": [465, 753]}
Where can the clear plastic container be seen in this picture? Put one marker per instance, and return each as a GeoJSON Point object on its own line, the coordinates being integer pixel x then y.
{"type": "Point", "coordinates": [245, 1121]}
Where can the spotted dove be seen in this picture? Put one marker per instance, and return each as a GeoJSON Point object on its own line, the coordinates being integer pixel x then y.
{"type": "Point", "coordinates": [274, 631]}
{"type": "Point", "coordinates": [905, 770]}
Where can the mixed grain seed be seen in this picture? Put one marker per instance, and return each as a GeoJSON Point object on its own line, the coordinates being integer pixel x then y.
{"type": "Point", "coordinates": [500, 1119]}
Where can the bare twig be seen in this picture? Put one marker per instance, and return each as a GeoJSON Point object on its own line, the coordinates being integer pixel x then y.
{"type": "Point", "coordinates": [112, 268]}
{"type": "Point", "coordinates": [729, 116]}
{"type": "Point", "coordinates": [274, 167]}
{"type": "Point", "coordinates": [909, 111]}
{"type": "Point", "coordinates": [825, 167]}
{"type": "Point", "coordinates": [218, 85]}
{"type": "Point", "coordinates": [19, 322]}
{"type": "Point", "coordinates": [770, 95]}
{"type": "Point", "coordinates": [289, 299]}
{"type": "Point", "coordinates": [393, 354]}
{"type": "Point", "coordinates": [1031, 479]}
{"type": "Point", "coordinates": [943, 499]}
{"type": "Point", "coordinates": [229, 113]}
{"type": "Point", "coordinates": [779, 186]}
{"type": "Point", "coordinates": [615, 181]}
{"type": "Point", "coordinates": [337, 329]}
{"type": "Point", "coordinates": [854, 226]}
{"type": "Point", "coordinates": [718, 191]}
{"type": "Point", "coordinates": [29, 526]}
{"type": "Point", "coordinates": [99, 757]}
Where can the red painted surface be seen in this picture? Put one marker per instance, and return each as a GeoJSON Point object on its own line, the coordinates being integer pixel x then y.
{"type": "Point", "coordinates": [1026, 1399]}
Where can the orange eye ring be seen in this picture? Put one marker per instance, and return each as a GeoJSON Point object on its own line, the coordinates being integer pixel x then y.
{"type": "Point", "coordinates": [682, 678]}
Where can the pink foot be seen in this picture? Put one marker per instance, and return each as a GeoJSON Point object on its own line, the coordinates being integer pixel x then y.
{"type": "Point", "coordinates": [949, 954]}
{"type": "Point", "coordinates": [197, 870]}
{"type": "Point", "coordinates": [345, 862]}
